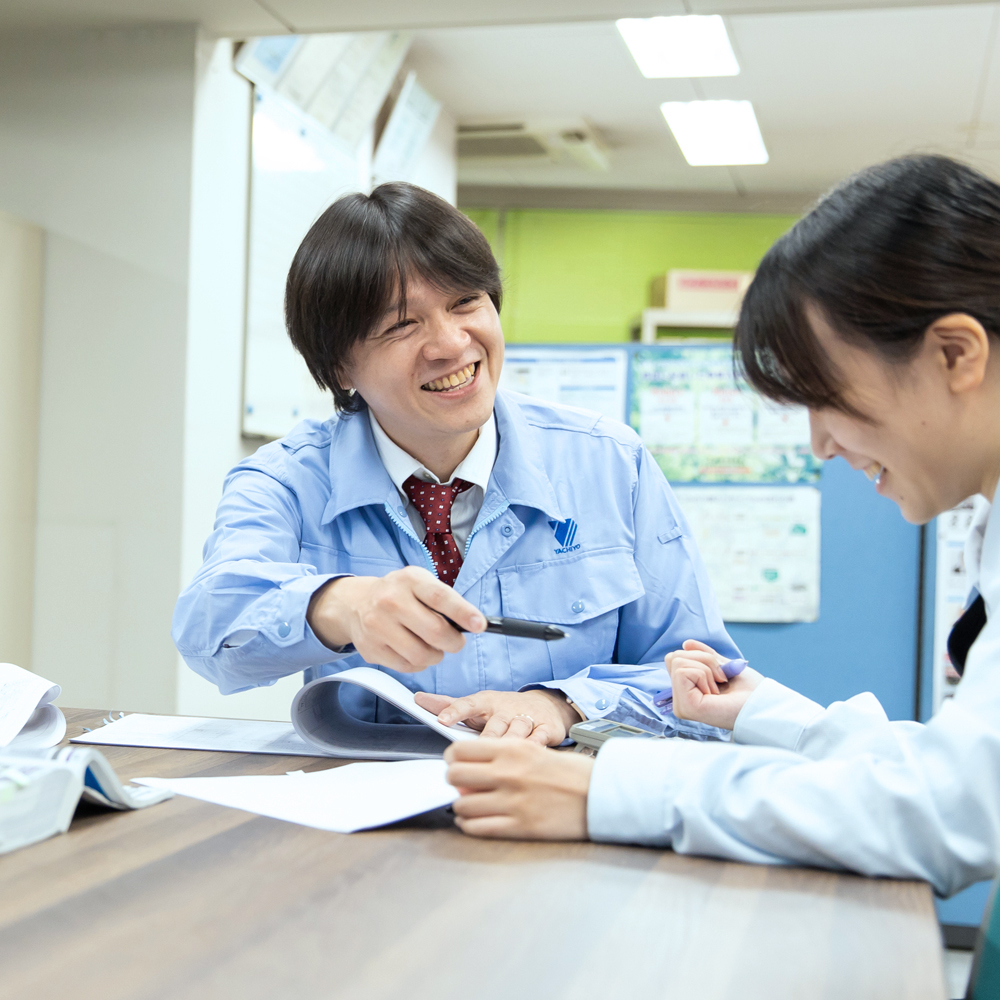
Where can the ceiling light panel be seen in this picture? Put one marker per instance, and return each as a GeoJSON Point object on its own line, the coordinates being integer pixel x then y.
{"type": "Point", "coordinates": [716, 133]}
{"type": "Point", "coordinates": [682, 46]}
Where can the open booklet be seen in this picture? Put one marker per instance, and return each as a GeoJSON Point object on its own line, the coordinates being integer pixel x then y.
{"type": "Point", "coordinates": [320, 726]}
{"type": "Point", "coordinates": [28, 719]}
{"type": "Point", "coordinates": [40, 790]}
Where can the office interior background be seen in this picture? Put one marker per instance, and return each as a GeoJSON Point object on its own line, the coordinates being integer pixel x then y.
{"type": "Point", "coordinates": [158, 165]}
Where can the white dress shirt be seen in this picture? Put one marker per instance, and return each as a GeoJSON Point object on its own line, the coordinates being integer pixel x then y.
{"type": "Point", "coordinates": [837, 787]}
{"type": "Point", "coordinates": [475, 468]}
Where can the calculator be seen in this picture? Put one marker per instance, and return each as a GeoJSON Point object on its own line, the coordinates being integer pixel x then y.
{"type": "Point", "coordinates": [594, 733]}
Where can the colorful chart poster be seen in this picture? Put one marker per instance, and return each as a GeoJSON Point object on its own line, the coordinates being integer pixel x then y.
{"type": "Point", "coordinates": [761, 548]}
{"type": "Point", "coordinates": [702, 425]}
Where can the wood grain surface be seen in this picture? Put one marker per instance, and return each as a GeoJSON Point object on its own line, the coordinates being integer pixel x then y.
{"type": "Point", "coordinates": [191, 900]}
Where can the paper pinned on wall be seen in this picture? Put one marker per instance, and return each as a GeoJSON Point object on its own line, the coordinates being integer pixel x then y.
{"type": "Point", "coordinates": [298, 169]}
{"type": "Point", "coordinates": [761, 548]}
{"type": "Point", "coordinates": [591, 379]}
{"type": "Point", "coordinates": [951, 591]}
{"type": "Point", "coordinates": [406, 133]}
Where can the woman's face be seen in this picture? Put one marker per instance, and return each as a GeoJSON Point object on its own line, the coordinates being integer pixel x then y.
{"type": "Point", "coordinates": [923, 444]}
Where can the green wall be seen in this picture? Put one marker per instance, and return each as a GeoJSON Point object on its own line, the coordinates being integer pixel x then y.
{"type": "Point", "coordinates": [585, 275]}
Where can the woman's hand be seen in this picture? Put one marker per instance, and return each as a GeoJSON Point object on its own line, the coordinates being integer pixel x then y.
{"type": "Point", "coordinates": [538, 716]}
{"type": "Point", "coordinates": [518, 790]}
{"type": "Point", "coordinates": [702, 691]}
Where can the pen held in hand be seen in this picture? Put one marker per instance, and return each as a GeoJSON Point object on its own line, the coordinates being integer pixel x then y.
{"type": "Point", "coordinates": [518, 628]}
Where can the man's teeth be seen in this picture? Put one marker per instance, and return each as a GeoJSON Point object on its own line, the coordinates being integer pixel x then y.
{"type": "Point", "coordinates": [874, 471]}
{"type": "Point", "coordinates": [453, 380]}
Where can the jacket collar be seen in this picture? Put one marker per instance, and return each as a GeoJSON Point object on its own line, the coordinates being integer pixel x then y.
{"type": "Point", "coordinates": [359, 479]}
{"type": "Point", "coordinates": [357, 476]}
{"type": "Point", "coordinates": [519, 472]}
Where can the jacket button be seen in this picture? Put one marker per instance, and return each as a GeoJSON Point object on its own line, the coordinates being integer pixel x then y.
{"type": "Point", "coordinates": [507, 530]}
{"type": "Point", "coordinates": [578, 606]}
{"type": "Point", "coordinates": [284, 629]}
{"type": "Point", "coordinates": [602, 704]}
{"type": "Point", "coordinates": [401, 510]}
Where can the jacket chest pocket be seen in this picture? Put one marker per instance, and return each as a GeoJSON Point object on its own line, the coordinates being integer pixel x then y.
{"type": "Point", "coordinates": [580, 593]}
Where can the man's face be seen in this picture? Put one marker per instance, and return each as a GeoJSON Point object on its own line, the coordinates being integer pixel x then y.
{"type": "Point", "coordinates": [431, 375]}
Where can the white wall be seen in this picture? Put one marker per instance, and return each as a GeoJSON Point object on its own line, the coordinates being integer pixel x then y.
{"type": "Point", "coordinates": [95, 147]}
{"type": "Point", "coordinates": [129, 149]}
{"type": "Point", "coordinates": [212, 411]}
{"type": "Point", "coordinates": [21, 248]}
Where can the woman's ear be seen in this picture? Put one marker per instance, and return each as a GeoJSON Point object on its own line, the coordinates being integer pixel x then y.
{"type": "Point", "coordinates": [960, 347]}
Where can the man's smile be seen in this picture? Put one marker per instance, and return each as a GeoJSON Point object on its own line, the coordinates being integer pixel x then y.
{"type": "Point", "coordinates": [455, 380]}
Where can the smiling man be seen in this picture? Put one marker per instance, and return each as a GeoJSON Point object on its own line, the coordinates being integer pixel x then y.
{"type": "Point", "coordinates": [431, 495]}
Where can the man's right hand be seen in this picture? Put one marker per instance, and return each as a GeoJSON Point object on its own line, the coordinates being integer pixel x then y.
{"type": "Point", "coordinates": [393, 620]}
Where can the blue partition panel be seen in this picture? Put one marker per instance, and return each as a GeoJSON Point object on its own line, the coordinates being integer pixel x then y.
{"type": "Point", "coordinates": [865, 638]}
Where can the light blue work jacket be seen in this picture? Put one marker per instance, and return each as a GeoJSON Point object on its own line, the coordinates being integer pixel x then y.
{"type": "Point", "coordinates": [578, 527]}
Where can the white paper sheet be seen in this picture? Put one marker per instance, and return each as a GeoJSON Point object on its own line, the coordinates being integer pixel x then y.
{"type": "Point", "coordinates": [386, 686]}
{"type": "Point", "coordinates": [27, 716]}
{"type": "Point", "coordinates": [761, 548]}
{"type": "Point", "coordinates": [177, 732]}
{"type": "Point", "coordinates": [340, 799]}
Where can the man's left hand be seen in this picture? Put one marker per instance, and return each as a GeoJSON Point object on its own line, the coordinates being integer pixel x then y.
{"type": "Point", "coordinates": [539, 716]}
{"type": "Point", "coordinates": [516, 790]}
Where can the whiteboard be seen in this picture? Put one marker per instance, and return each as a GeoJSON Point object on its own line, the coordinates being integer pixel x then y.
{"type": "Point", "coordinates": [298, 168]}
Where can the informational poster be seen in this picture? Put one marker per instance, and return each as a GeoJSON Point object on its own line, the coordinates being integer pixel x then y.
{"type": "Point", "coordinates": [761, 548]}
{"type": "Point", "coordinates": [592, 379]}
{"type": "Point", "coordinates": [702, 425]}
{"type": "Point", "coordinates": [951, 591]}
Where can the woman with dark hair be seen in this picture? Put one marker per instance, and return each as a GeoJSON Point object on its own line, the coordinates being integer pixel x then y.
{"type": "Point", "coordinates": [880, 312]}
{"type": "Point", "coordinates": [432, 496]}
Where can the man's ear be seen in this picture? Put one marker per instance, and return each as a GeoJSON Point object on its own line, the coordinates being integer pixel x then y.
{"type": "Point", "coordinates": [960, 347]}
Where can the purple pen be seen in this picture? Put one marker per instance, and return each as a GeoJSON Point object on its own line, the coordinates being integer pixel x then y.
{"type": "Point", "coordinates": [664, 700]}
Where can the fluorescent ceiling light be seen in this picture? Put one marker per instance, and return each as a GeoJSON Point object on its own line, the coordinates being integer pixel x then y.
{"type": "Point", "coordinates": [715, 133]}
{"type": "Point", "coordinates": [686, 45]}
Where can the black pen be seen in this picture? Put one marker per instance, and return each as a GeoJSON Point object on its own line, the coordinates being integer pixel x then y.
{"type": "Point", "coordinates": [517, 627]}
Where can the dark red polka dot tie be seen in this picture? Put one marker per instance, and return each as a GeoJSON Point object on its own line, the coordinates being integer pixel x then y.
{"type": "Point", "coordinates": [434, 503]}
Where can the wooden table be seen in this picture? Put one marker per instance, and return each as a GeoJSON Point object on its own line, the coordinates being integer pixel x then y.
{"type": "Point", "coordinates": [191, 900]}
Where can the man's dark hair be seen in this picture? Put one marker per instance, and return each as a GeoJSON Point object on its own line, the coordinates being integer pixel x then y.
{"type": "Point", "coordinates": [353, 266]}
{"type": "Point", "coordinates": [881, 258]}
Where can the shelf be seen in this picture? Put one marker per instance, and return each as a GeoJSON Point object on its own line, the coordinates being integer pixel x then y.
{"type": "Point", "coordinates": [654, 318]}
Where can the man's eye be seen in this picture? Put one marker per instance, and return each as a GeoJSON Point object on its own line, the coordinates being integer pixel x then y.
{"type": "Point", "coordinates": [399, 327]}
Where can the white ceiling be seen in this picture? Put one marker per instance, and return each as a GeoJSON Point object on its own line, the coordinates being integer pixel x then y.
{"type": "Point", "coordinates": [835, 86]}
{"type": "Point", "coordinates": [833, 91]}
{"type": "Point", "coordinates": [240, 18]}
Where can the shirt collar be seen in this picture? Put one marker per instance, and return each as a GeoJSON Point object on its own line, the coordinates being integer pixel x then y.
{"type": "Point", "coordinates": [519, 470]}
{"type": "Point", "coordinates": [475, 468]}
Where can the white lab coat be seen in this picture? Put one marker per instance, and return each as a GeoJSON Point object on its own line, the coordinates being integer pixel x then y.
{"type": "Point", "coordinates": [841, 787]}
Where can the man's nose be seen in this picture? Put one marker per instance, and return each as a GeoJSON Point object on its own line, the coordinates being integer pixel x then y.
{"type": "Point", "coordinates": [445, 337]}
{"type": "Point", "coordinates": [823, 445]}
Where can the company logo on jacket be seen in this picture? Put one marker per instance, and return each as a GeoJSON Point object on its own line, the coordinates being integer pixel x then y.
{"type": "Point", "coordinates": [565, 532]}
